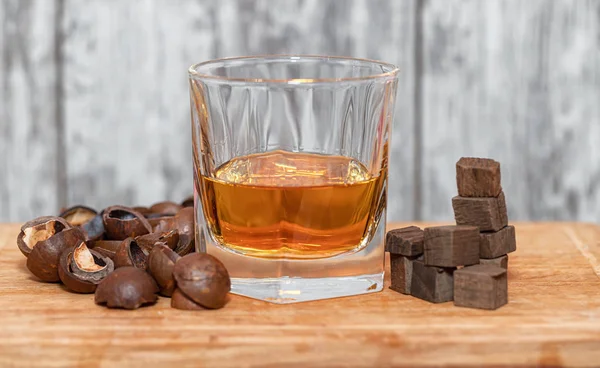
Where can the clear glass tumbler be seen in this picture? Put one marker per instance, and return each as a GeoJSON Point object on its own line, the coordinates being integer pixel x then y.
{"type": "Point", "coordinates": [290, 170]}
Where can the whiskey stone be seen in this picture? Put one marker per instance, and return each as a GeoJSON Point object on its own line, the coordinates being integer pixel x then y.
{"type": "Point", "coordinates": [501, 261]}
{"type": "Point", "coordinates": [488, 214]}
{"type": "Point", "coordinates": [451, 246]}
{"type": "Point", "coordinates": [407, 241]}
{"type": "Point", "coordinates": [480, 286]}
{"type": "Point", "coordinates": [478, 177]}
{"type": "Point", "coordinates": [401, 269]}
{"type": "Point", "coordinates": [496, 244]}
{"type": "Point", "coordinates": [433, 284]}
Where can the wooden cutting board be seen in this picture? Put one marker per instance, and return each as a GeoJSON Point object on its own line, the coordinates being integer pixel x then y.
{"type": "Point", "coordinates": [552, 319]}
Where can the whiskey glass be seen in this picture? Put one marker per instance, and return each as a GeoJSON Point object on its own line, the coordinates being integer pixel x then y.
{"type": "Point", "coordinates": [290, 158]}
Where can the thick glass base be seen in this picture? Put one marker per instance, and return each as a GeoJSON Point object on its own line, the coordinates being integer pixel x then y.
{"type": "Point", "coordinates": [284, 280]}
{"type": "Point", "coordinates": [286, 290]}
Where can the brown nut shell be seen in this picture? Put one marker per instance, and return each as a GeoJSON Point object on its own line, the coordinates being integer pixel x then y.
{"type": "Point", "coordinates": [78, 215]}
{"type": "Point", "coordinates": [94, 229]}
{"type": "Point", "coordinates": [121, 222]}
{"type": "Point", "coordinates": [82, 285]}
{"type": "Point", "coordinates": [88, 265]}
{"type": "Point", "coordinates": [141, 209]}
{"type": "Point", "coordinates": [184, 221]}
{"type": "Point", "coordinates": [128, 288]}
{"type": "Point", "coordinates": [203, 278]}
{"type": "Point", "coordinates": [111, 245]}
{"type": "Point", "coordinates": [39, 229]}
{"type": "Point", "coordinates": [107, 248]}
{"type": "Point", "coordinates": [44, 258]}
{"type": "Point", "coordinates": [165, 208]}
{"type": "Point", "coordinates": [105, 253]}
{"type": "Point", "coordinates": [186, 245]}
{"type": "Point", "coordinates": [162, 223]}
{"type": "Point", "coordinates": [188, 202]}
{"type": "Point", "coordinates": [161, 262]}
{"type": "Point", "coordinates": [170, 238]}
{"type": "Point", "coordinates": [131, 254]}
{"type": "Point", "coordinates": [180, 301]}
{"type": "Point", "coordinates": [68, 279]}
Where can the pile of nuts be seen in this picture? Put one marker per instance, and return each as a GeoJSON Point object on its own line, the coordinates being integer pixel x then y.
{"type": "Point", "coordinates": [126, 256]}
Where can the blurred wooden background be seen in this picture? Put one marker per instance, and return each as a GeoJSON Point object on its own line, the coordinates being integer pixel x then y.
{"type": "Point", "coordinates": [94, 102]}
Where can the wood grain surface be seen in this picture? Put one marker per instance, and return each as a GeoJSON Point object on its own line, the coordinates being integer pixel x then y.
{"type": "Point", "coordinates": [552, 319]}
{"type": "Point", "coordinates": [94, 102]}
{"type": "Point", "coordinates": [518, 81]}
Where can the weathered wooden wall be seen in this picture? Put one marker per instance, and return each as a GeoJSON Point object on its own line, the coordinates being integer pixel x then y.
{"type": "Point", "coordinates": [94, 103]}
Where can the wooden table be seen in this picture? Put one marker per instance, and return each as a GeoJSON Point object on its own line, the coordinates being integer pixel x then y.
{"type": "Point", "coordinates": [553, 318]}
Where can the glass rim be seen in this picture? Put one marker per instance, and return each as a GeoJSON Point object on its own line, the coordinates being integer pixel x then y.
{"type": "Point", "coordinates": [194, 74]}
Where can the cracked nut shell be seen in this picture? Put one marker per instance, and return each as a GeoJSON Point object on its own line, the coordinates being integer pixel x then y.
{"type": "Point", "coordinates": [89, 266]}
{"type": "Point", "coordinates": [107, 248]}
{"type": "Point", "coordinates": [162, 223]}
{"type": "Point", "coordinates": [122, 222]}
{"type": "Point", "coordinates": [161, 262]}
{"type": "Point", "coordinates": [203, 278]}
{"type": "Point", "coordinates": [83, 276]}
{"type": "Point", "coordinates": [148, 241]}
{"type": "Point", "coordinates": [142, 209]}
{"type": "Point", "coordinates": [38, 230]}
{"type": "Point", "coordinates": [180, 301]}
{"type": "Point", "coordinates": [184, 221]}
{"type": "Point", "coordinates": [188, 202]}
{"type": "Point", "coordinates": [128, 288]}
{"type": "Point", "coordinates": [165, 208]}
{"type": "Point", "coordinates": [130, 253]}
{"type": "Point", "coordinates": [94, 229]}
{"type": "Point", "coordinates": [44, 258]}
{"type": "Point", "coordinates": [78, 215]}
{"type": "Point", "coordinates": [87, 219]}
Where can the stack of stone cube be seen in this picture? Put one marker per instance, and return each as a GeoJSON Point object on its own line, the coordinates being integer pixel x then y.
{"type": "Point", "coordinates": [468, 262]}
